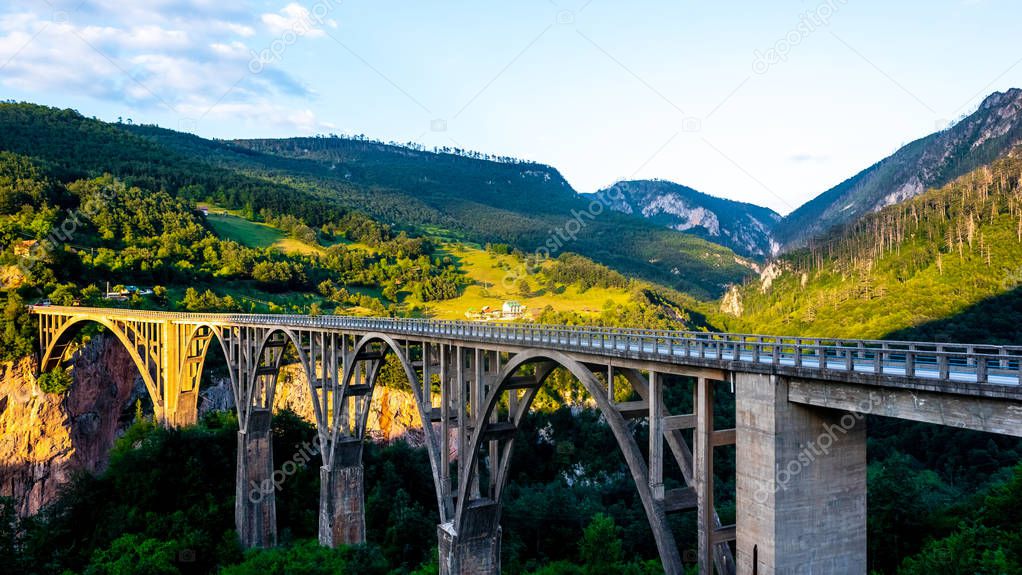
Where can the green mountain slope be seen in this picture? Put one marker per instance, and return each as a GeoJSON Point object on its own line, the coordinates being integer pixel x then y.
{"type": "Point", "coordinates": [933, 257]}
{"type": "Point", "coordinates": [525, 204]}
{"type": "Point", "coordinates": [65, 241]}
{"type": "Point", "coordinates": [320, 179]}
{"type": "Point", "coordinates": [929, 162]}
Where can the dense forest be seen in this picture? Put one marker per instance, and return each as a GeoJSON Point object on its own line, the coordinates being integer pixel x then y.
{"type": "Point", "coordinates": [911, 264]}
{"type": "Point", "coordinates": [164, 506]}
{"type": "Point", "coordinates": [63, 241]}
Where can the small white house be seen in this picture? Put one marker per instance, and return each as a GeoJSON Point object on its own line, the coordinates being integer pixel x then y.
{"type": "Point", "coordinates": [512, 310]}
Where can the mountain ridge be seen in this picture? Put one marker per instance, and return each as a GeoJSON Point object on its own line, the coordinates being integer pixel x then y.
{"type": "Point", "coordinates": [741, 226]}
{"type": "Point", "coordinates": [928, 162]}
{"type": "Point", "coordinates": [523, 204]}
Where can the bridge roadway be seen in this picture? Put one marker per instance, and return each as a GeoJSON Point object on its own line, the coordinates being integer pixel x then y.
{"type": "Point", "coordinates": [939, 366]}
{"type": "Point", "coordinates": [798, 405]}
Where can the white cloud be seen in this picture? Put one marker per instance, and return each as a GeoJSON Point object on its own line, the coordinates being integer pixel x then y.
{"type": "Point", "coordinates": [192, 57]}
{"type": "Point", "coordinates": [263, 114]}
{"type": "Point", "coordinates": [297, 19]}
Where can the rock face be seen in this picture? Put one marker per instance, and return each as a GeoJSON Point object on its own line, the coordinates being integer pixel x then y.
{"type": "Point", "coordinates": [731, 303]}
{"type": "Point", "coordinates": [393, 414]}
{"type": "Point", "coordinates": [743, 227]}
{"type": "Point", "coordinates": [44, 438]}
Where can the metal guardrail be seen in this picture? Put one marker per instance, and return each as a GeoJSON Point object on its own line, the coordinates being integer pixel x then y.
{"type": "Point", "coordinates": [944, 362]}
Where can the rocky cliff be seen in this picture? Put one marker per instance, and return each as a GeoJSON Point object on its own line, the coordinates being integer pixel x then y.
{"type": "Point", "coordinates": [45, 438]}
{"type": "Point", "coordinates": [392, 414]}
{"type": "Point", "coordinates": [743, 227]}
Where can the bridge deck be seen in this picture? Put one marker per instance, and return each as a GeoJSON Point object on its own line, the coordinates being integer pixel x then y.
{"type": "Point", "coordinates": [972, 369]}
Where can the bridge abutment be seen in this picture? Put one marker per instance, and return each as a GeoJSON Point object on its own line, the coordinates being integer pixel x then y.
{"type": "Point", "coordinates": [801, 483]}
{"type": "Point", "coordinates": [255, 511]}
{"type": "Point", "coordinates": [342, 519]}
{"type": "Point", "coordinates": [475, 548]}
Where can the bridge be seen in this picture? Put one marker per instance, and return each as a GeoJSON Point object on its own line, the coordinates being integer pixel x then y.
{"type": "Point", "coordinates": [800, 436]}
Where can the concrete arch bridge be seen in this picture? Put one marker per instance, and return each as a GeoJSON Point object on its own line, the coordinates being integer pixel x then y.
{"type": "Point", "coordinates": [800, 436]}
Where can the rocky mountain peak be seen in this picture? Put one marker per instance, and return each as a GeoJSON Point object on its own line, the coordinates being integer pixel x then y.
{"type": "Point", "coordinates": [743, 227]}
{"type": "Point", "coordinates": [1000, 99]}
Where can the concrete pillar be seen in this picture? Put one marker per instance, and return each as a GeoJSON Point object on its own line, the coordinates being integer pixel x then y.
{"type": "Point", "coordinates": [342, 519]}
{"type": "Point", "coordinates": [801, 483]}
{"type": "Point", "coordinates": [475, 550]}
{"type": "Point", "coordinates": [187, 411]}
{"type": "Point", "coordinates": [255, 511]}
{"type": "Point", "coordinates": [702, 472]}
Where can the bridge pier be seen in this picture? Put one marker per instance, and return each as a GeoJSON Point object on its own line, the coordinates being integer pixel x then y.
{"type": "Point", "coordinates": [342, 519]}
{"type": "Point", "coordinates": [475, 550]}
{"type": "Point", "coordinates": [255, 510]}
{"type": "Point", "coordinates": [187, 411]}
{"type": "Point", "coordinates": [801, 483]}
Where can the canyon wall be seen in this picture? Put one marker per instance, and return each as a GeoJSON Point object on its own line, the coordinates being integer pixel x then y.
{"type": "Point", "coordinates": [393, 414]}
{"type": "Point", "coordinates": [45, 438]}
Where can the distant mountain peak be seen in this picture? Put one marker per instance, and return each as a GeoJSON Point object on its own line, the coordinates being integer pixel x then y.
{"type": "Point", "coordinates": [741, 226]}
{"type": "Point", "coordinates": [980, 138]}
{"type": "Point", "coordinates": [999, 99]}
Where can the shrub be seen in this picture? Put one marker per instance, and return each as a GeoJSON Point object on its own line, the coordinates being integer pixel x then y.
{"type": "Point", "coordinates": [57, 381]}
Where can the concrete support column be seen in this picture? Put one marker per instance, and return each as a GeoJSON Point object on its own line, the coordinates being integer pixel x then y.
{"type": "Point", "coordinates": [255, 511]}
{"type": "Point", "coordinates": [475, 550]}
{"type": "Point", "coordinates": [342, 519]}
{"type": "Point", "coordinates": [801, 482]}
{"type": "Point", "coordinates": [187, 412]}
{"type": "Point", "coordinates": [702, 472]}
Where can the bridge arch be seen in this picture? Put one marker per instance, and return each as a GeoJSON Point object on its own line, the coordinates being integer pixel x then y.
{"type": "Point", "coordinates": [196, 336]}
{"type": "Point", "coordinates": [258, 361]}
{"type": "Point", "coordinates": [129, 336]}
{"type": "Point", "coordinates": [388, 346]}
{"type": "Point", "coordinates": [256, 387]}
{"type": "Point", "coordinates": [508, 382]}
{"type": "Point", "coordinates": [195, 342]}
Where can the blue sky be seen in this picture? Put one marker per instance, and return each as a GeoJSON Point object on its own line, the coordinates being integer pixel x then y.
{"type": "Point", "coordinates": [766, 102]}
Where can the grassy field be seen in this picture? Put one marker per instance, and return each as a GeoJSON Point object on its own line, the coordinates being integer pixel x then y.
{"type": "Point", "coordinates": [487, 273]}
{"type": "Point", "coordinates": [257, 235]}
{"type": "Point", "coordinates": [251, 234]}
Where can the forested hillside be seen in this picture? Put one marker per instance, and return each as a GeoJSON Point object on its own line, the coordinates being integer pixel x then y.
{"type": "Point", "coordinates": [929, 261]}
{"type": "Point", "coordinates": [933, 161]}
{"type": "Point", "coordinates": [525, 204]}
{"type": "Point", "coordinates": [320, 179]}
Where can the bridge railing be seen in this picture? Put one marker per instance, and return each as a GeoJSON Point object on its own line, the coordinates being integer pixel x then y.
{"type": "Point", "coordinates": [939, 361]}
